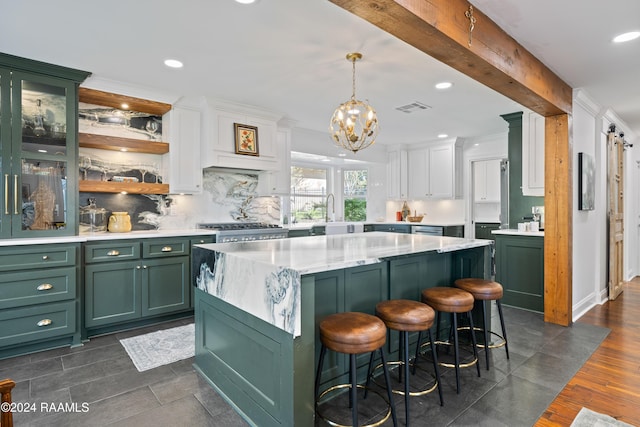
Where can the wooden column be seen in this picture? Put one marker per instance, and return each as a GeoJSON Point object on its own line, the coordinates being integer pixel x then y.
{"type": "Point", "coordinates": [558, 220]}
{"type": "Point", "coordinates": [441, 29]}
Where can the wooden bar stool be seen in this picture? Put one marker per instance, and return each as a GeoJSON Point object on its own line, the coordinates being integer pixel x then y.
{"type": "Point", "coordinates": [410, 316]}
{"type": "Point", "coordinates": [353, 333]}
{"type": "Point", "coordinates": [483, 291]}
{"type": "Point", "coordinates": [454, 301]}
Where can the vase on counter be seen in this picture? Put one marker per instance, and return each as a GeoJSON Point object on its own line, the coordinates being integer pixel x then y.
{"type": "Point", "coordinates": [119, 222]}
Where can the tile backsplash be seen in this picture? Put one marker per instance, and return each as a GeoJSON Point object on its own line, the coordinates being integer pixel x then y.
{"type": "Point", "coordinates": [228, 196]}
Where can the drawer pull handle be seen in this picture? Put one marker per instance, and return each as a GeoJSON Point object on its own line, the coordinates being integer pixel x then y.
{"type": "Point", "coordinates": [113, 253]}
{"type": "Point", "coordinates": [45, 257]}
{"type": "Point", "coordinates": [44, 322]}
{"type": "Point", "coordinates": [166, 249]}
{"type": "Point", "coordinates": [44, 287]}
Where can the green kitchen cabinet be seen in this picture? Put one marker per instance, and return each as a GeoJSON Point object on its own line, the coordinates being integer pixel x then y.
{"type": "Point", "coordinates": [132, 280]}
{"type": "Point", "coordinates": [299, 233]}
{"type": "Point", "coordinates": [39, 297]}
{"type": "Point", "coordinates": [317, 230]}
{"type": "Point", "coordinates": [391, 228]}
{"type": "Point", "coordinates": [39, 148]}
{"type": "Point", "coordinates": [453, 231]}
{"type": "Point", "coordinates": [483, 230]}
{"type": "Point", "coordinates": [520, 270]}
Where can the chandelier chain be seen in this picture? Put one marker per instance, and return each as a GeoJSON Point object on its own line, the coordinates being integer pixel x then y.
{"type": "Point", "coordinates": [353, 79]}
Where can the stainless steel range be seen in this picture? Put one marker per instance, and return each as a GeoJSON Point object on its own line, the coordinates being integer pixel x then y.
{"type": "Point", "coordinates": [244, 231]}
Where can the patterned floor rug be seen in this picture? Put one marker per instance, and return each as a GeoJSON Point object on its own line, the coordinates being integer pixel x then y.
{"type": "Point", "coordinates": [160, 348]}
{"type": "Point", "coordinates": [589, 418]}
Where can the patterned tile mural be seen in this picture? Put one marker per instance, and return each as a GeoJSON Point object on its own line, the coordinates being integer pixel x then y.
{"type": "Point", "coordinates": [228, 196]}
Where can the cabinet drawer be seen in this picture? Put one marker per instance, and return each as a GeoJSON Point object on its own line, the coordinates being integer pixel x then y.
{"type": "Point", "coordinates": [113, 251]}
{"type": "Point", "coordinates": [158, 248]}
{"type": "Point", "coordinates": [38, 322]}
{"type": "Point", "coordinates": [202, 239]}
{"type": "Point", "coordinates": [36, 257]}
{"type": "Point", "coordinates": [35, 287]}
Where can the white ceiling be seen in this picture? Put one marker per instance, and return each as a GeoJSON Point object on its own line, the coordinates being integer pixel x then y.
{"type": "Point", "coordinates": [288, 56]}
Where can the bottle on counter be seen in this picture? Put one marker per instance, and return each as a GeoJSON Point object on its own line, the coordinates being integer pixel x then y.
{"type": "Point", "coordinates": [405, 211]}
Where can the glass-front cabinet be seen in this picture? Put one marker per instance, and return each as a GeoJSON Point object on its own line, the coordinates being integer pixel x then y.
{"type": "Point", "coordinates": [38, 131]}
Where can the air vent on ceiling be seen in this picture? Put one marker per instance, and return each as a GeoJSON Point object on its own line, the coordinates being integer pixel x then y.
{"type": "Point", "coordinates": [413, 107]}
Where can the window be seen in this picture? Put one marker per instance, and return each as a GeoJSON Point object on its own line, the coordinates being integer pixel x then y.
{"type": "Point", "coordinates": [355, 194]}
{"type": "Point", "coordinates": [308, 194]}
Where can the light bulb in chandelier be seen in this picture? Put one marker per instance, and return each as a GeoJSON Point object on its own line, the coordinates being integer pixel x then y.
{"type": "Point", "coordinates": [354, 124]}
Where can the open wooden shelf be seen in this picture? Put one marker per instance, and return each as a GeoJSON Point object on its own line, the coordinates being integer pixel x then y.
{"type": "Point", "coordinates": [114, 143]}
{"type": "Point", "coordinates": [119, 187]}
{"type": "Point", "coordinates": [97, 97]}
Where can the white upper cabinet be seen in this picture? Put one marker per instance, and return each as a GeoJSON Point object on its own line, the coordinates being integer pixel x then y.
{"type": "Point", "coordinates": [278, 182]}
{"type": "Point", "coordinates": [397, 174]}
{"type": "Point", "coordinates": [533, 155]}
{"type": "Point", "coordinates": [434, 172]}
{"type": "Point", "coordinates": [218, 142]}
{"type": "Point", "coordinates": [185, 173]}
{"type": "Point", "coordinates": [486, 181]}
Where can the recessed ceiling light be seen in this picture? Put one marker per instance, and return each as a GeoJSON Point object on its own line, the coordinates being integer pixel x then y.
{"type": "Point", "coordinates": [245, 1]}
{"type": "Point", "coordinates": [626, 37]}
{"type": "Point", "coordinates": [173, 63]}
{"type": "Point", "coordinates": [442, 135]}
{"type": "Point", "coordinates": [444, 85]}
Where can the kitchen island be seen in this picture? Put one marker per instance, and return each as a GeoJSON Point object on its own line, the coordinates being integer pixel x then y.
{"type": "Point", "coordinates": [257, 306]}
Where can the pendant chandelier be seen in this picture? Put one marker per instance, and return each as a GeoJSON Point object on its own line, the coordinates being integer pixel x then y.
{"type": "Point", "coordinates": [354, 124]}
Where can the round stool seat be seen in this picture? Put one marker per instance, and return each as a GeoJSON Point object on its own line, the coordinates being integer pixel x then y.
{"type": "Point", "coordinates": [405, 315]}
{"type": "Point", "coordinates": [481, 289]}
{"type": "Point", "coordinates": [448, 300]}
{"type": "Point", "coordinates": [352, 333]}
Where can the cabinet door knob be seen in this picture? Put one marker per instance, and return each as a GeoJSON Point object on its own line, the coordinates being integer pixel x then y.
{"type": "Point", "coordinates": [45, 257]}
{"type": "Point", "coordinates": [144, 267]}
{"type": "Point", "coordinates": [44, 322]}
{"type": "Point", "coordinates": [44, 287]}
{"type": "Point", "coordinates": [138, 267]}
{"type": "Point", "coordinates": [113, 253]}
{"type": "Point", "coordinates": [166, 249]}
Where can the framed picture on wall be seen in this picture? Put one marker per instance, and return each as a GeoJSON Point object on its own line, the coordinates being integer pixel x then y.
{"type": "Point", "coordinates": [586, 182]}
{"type": "Point", "coordinates": [246, 139]}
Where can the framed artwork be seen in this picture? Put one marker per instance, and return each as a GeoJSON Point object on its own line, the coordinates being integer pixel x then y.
{"type": "Point", "coordinates": [586, 182]}
{"type": "Point", "coordinates": [246, 139]}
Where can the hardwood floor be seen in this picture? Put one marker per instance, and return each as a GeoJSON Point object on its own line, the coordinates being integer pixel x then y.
{"type": "Point", "coordinates": [609, 382]}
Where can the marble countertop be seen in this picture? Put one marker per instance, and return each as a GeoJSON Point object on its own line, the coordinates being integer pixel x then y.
{"type": "Point", "coordinates": [313, 254]}
{"type": "Point", "coordinates": [515, 232]}
{"type": "Point", "coordinates": [87, 237]}
{"type": "Point", "coordinates": [308, 226]}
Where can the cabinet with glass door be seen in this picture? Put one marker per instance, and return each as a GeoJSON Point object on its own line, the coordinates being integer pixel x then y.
{"type": "Point", "coordinates": [38, 133]}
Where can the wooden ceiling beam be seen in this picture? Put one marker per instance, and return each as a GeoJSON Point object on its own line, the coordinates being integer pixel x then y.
{"type": "Point", "coordinates": [440, 29]}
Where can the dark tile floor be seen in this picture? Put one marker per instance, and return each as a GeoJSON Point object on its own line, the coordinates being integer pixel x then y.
{"type": "Point", "coordinates": [514, 392]}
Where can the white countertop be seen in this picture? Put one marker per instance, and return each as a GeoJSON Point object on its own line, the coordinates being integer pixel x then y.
{"type": "Point", "coordinates": [104, 236]}
{"type": "Point", "coordinates": [314, 254]}
{"type": "Point", "coordinates": [515, 232]}
{"type": "Point", "coordinates": [263, 278]}
{"type": "Point", "coordinates": [307, 226]}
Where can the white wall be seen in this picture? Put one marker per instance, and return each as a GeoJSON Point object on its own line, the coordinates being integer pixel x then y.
{"type": "Point", "coordinates": [588, 247]}
{"type": "Point", "coordinates": [590, 238]}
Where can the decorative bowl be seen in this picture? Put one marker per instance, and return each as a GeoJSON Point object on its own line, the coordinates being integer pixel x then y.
{"type": "Point", "coordinates": [415, 218]}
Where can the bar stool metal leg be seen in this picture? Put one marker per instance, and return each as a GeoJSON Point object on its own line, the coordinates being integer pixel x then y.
{"type": "Point", "coordinates": [504, 330]}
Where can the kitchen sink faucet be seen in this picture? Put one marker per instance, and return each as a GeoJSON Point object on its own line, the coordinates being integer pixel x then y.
{"type": "Point", "coordinates": [326, 206]}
